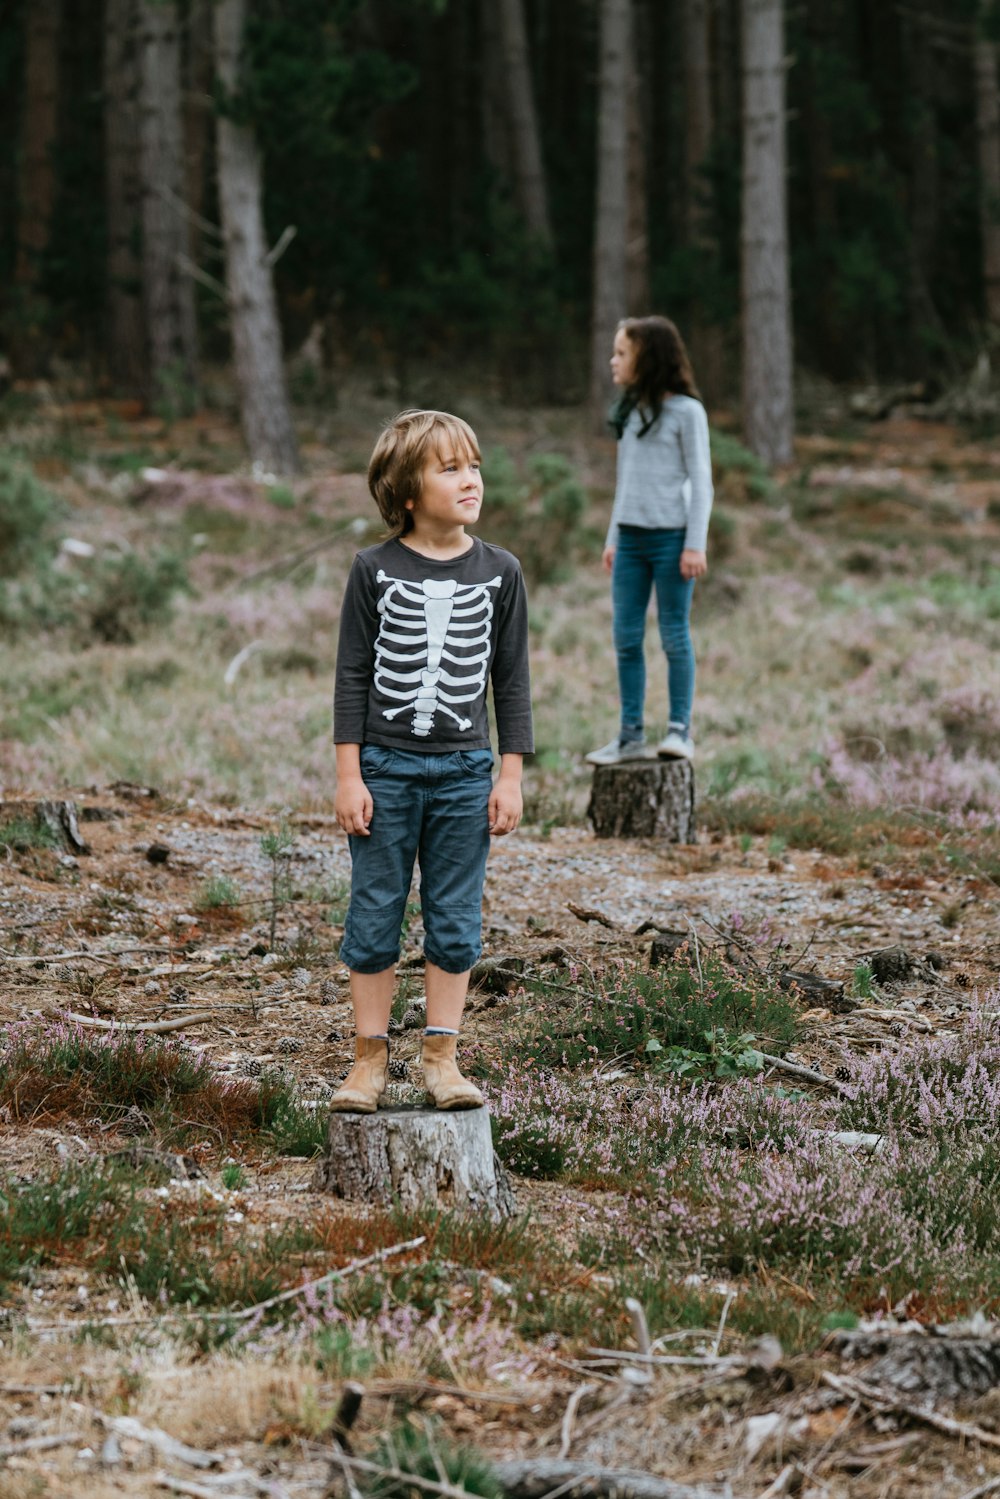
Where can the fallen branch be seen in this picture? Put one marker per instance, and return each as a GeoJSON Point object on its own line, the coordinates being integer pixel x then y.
{"type": "Point", "coordinates": [162, 1441]}
{"type": "Point", "coordinates": [805, 1074]}
{"type": "Point", "coordinates": [150, 1027]}
{"type": "Point", "coordinates": [590, 913]}
{"type": "Point", "coordinates": [885, 1401]}
{"type": "Point", "coordinates": [39, 1444]}
{"type": "Point", "coordinates": [532, 1479]}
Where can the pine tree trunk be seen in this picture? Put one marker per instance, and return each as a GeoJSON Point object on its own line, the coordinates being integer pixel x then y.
{"type": "Point", "coordinates": [698, 115]}
{"type": "Point", "coordinates": [705, 337]}
{"type": "Point", "coordinates": [198, 66]}
{"type": "Point", "coordinates": [611, 212]}
{"type": "Point", "coordinates": [253, 311]}
{"type": "Point", "coordinates": [36, 181]}
{"type": "Point", "coordinates": [925, 185]}
{"type": "Point", "coordinates": [637, 287]}
{"type": "Point", "coordinates": [767, 318]}
{"type": "Point", "coordinates": [529, 168]}
{"type": "Point", "coordinates": [168, 293]}
{"type": "Point", "coordinates": [988, 133]}
{"type": "Point", "coordinates": [493, 96]}
{"type": "Point", "coordinates": [126, 341]}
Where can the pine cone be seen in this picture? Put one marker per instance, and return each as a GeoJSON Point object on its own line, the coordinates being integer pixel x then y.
{"type": "Point", "coordinates": [414, 1019]}
{"type": "Point", "coordinates": [842, 1074]}
{"type": "Point", "coordinates": [963, 981]}
{"type": "Point", "coordinates": [288, 1045]}
{"type": "Point", "coordinates": [399, 1069]}
{"type": "Point", "coordinates": [250, 1067]}
{"type": "Point", "coordinates": [178, 994]}
{"type": "Point", "coordinates": [328, 992]}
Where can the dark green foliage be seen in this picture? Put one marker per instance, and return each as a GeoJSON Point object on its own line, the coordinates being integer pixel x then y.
{"type": "Point", "coordinates": [538, 515]}
{"type": "Point", "coordinates": [129, 594]}
{"type": "Point", "coordinates": [27, 511]}
{"type": "Point", "coordinates": [698, 1014]}
{"type": "Point", "coordinates": [417, 1446]}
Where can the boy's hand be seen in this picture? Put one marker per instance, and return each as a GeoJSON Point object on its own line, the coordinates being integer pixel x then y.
{"type": "Point", "coordinates": [506, 804]}
{"type": "Point", "coordinates": [353, 806]}
{"type": "Point", "coordinates": [608, 559]}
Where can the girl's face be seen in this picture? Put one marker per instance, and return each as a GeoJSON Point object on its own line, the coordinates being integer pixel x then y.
{"type": "Point", "coordinates": [623, 357]}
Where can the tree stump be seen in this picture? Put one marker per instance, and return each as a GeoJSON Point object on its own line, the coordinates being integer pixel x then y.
{"type": "Point", "coordinates": [414, 1155]}
{"type": "Point", "coordinates": [644, 799]}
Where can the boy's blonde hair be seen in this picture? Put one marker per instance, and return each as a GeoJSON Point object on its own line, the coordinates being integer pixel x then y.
{"type": "Point", "coordinates": [395, 472]}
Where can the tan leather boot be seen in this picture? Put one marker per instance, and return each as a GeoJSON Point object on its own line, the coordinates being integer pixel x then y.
{"type": "Point", "coordinates": [364, 1085]}
{"type": "Point", "coordinates": [446, 1087]}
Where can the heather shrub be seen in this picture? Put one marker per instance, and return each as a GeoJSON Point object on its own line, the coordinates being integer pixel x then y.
{"type": "Point", "coordinates": [581, 1129]}
{"type": "Point", "coordinates": [939, 1087]}
{"type": "Point", "coordinates": [698, 1013]}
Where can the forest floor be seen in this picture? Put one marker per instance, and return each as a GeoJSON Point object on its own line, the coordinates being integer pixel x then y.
{"type": "Point", "coordinates": [145, 1208]}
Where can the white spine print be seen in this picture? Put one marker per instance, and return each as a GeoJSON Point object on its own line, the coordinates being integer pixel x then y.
{"type": "Point", "coordinates": [426, 629]}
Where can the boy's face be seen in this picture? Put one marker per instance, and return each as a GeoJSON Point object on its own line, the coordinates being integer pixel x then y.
{"type": "Point", "coordinates": [451, 492]}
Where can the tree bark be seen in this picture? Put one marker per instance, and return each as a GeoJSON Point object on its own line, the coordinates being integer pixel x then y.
{"type": "Point", "coordinates": [988, 137]}
{"type": "Point", "coordinates": [168, 293]}
{"type": "Point", "coordinates": [529, 168]}
{"type": "Point", "coordinates": [698, 115]}
{"type": "Point", "coordinates": [417, 1157]}
{"type": "Point", "coordinates": [611, 211]}
{"type": "Point", "coordinates": [198, 66]}
{"type": "Point", "coordinates": [36, 180]}
{"type": "Point", "coordinates": [766, 293]}
{"type": "Point", "coordinates": [126, 342]}
{"type": "Point", "coordinates": [637, 287]}
{"type": "Point", "coordinates": [253, 312]}
{"type": "Point", "coordinates": [644, 799]}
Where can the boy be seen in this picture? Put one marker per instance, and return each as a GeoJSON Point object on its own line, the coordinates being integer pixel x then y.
{"type": "Point", "coordinates": [428, 616]}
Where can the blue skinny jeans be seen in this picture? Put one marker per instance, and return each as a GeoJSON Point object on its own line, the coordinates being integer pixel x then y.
{"type": "Point", "coordinates": [644, 558]}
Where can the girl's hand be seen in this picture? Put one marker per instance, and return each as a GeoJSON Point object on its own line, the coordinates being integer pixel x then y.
{"type": "Point", "coordinates": [608, 558]}
{"type": "Point", "coordinates": [353, 806]}
{"type": "Point", "coordinates": [693, 564]}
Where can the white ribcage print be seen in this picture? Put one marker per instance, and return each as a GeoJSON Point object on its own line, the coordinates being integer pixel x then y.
{"type": "Point", "coordinates": [433, 647]}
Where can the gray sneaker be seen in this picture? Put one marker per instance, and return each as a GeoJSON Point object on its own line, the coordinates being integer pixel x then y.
{"type": "Point", "coordinates": [618, 752]}
{"type": "Point", "coordinates": [676, 746]}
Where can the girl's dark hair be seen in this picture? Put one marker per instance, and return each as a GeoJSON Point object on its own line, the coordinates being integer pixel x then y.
{"type": "Point", "coordinates": [662, 368]}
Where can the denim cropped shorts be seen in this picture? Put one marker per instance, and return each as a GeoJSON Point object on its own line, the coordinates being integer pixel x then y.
{"type": "Point", "coordinates": [432, 810]}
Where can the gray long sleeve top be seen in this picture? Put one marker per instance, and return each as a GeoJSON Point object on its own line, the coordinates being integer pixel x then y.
{"type": "Point", "coordinates": [665, 477]}
{"type": "Point", "coordinates": [420, 638]}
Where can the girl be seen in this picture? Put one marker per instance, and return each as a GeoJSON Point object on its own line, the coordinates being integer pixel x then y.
{"type": "Point", "coordinates": [663, 497]}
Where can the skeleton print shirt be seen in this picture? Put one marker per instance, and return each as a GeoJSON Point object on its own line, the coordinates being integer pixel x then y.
{"type": "Point", "coordinates": [419, 638]}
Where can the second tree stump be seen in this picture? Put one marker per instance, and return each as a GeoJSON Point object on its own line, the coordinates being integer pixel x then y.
{"type": "Point", "coordinates": [644, 799]}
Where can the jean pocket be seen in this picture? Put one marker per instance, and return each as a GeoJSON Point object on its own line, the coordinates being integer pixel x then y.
{"type": "Point", "coordinates": [375, 759]}
{"type": "Point", "coordinates": [476, 762]}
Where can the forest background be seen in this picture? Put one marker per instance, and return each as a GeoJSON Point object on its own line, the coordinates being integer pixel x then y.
{"type": "Point", "coordinates": [434, 165]}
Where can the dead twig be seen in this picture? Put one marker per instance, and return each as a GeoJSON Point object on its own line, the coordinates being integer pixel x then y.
{"type": "Point", "coordinates": [884, 1400]}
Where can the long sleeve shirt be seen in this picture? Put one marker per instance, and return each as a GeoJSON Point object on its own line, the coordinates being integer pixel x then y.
{"type": "Point", "coordinates": [420, 638]}
{"type": "Point", "coordinates": [665, 477]}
